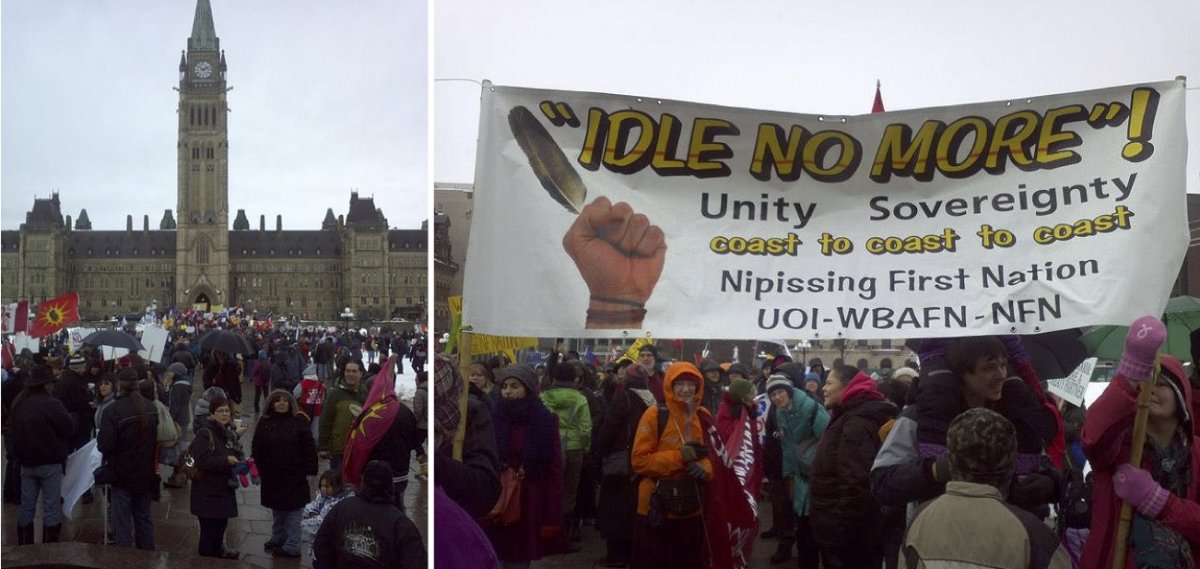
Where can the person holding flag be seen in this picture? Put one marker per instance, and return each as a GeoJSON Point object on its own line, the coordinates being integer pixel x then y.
{"type": "Point", "coordinates": [1163, 487]}
{"type": "Point", "coordinates": [386, 430]}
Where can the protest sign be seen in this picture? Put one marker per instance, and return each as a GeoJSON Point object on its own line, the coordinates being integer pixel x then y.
{"type": "Point", "coordinates": [154, 339]}
{"type": "Point", "coordinates": [1073, 386]}
{"type": "Point", "coordinates": [75, 337]}
{"type": "Point", "coordinates": [601, 215]}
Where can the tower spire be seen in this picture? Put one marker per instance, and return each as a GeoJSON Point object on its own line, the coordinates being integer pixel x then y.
{"type": "Point", "coordinates": [204, 32]}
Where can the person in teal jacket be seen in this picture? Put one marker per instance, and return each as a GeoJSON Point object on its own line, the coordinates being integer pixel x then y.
{"type": "Point", "coordinates": [800, 420]}
{"type": "Point", "coordinates": [564, 399]}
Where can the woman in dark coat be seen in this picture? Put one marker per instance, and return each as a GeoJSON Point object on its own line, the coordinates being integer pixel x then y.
{"type": "Point", "coordinates": [618, 494]}
{"type": "Point", "coordinates": [285, 453]}
{"type": "Point", "coordinates": [527, 439]}
{"type": "Point", "coordinates": [223, 372]}
{"type": "Point", "coordinates": [216, 450]}
{"type": "Point", "coordinates": [845, 517]}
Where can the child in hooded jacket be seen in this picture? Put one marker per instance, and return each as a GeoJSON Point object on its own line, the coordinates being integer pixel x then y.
{"type": "Point", "coordinates": [331, 492]}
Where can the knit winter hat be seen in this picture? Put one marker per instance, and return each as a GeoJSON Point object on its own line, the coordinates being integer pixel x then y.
{"type": "Point", "coordinates": [982, 443]}
{"type": "Point", "coordinates": [377, 483]}
{"type": "Point", "coordinates": [741, 389]}
{"type": "Point", "coordinates": [777, 381]}
{"type": "Point", "coordinates": [524, 374]}
{"type": "Point", "coordinates": [910, 372]}
{"type": "Point", "coordinates": [178, 369]}
{"type": "Point", "coordinates": [739, 368]}
{"type": "Point", "coordinates": [637, 376]}
{"type": "Point", "coordinates": [810, 376]}
{"type": "Point", "coordinates": [128, 375]}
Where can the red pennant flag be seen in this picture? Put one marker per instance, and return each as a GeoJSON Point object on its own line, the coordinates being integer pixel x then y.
{"type": "Point", "coordinates": [878, 106]}
{"type": "Point", "coordinates": [372, 424]}
{"type": "Point", "coordinates": [55, 313]}
{"type": "Point", "coordinates": [730, 508]}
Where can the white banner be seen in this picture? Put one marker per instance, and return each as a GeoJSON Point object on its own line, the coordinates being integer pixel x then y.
{"type": "Point", "coordinates": [598, 215]}
{"type": "Point", "coordinates": [1073, 387]}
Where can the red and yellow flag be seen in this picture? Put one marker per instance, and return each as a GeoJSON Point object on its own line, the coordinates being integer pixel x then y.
{"type": "Point", "coordinates": [55, 313]}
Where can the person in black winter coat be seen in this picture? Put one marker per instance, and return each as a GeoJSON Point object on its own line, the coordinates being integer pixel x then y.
{"type": "Point", "coordinates": [72, 390]}
{"type": "Point", "coordinates": [396, 448]}
{"type": "Point", "coordinates": [285, 453]}
{"type": "Point", "coordinates": [473, 481]}
{"type": "Point", "coordinates": [618, 494]}
{"type": "Point", "coordinates": [39, 433]}
{"type": "Point", "coordinates": [128, 438]}
{"type": "Point", "coordinates": [367, 531]}
{"type": "Point", "coordinates": [845, 517]}
{"type": "Point", "coordinates": [216, 450]}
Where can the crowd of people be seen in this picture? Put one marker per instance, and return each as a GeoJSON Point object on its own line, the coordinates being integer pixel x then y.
{"type": "Point", "coordinates": [963, 460]}
{"type": "Point", "coordinates": [179, 424]}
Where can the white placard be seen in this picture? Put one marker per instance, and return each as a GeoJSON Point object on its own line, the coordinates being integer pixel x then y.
{"type": "Point", "coordinates": [76, 335]}
{"type": "Point", "coordinates": [154, 339]}
{"type": "Point", "coordinates": [1073, 387]}
{"type": "Point", "coordinates": [22, 341]}
{"type": "Point", "coordinates": [1002, 217]}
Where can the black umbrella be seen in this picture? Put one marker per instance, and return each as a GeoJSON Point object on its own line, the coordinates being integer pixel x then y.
{"type": "Point", "coordinates": [1054, 355]}
{"type": "Point", "coordinates": [113, 338]}
{"type": "Point", "coordinates": [225, 341]}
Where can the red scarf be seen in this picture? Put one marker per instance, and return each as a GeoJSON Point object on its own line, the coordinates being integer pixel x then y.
{"type": "Point", "coordinates": [730, 510]}
{"type": "Point", "coordinates": [370, 426]}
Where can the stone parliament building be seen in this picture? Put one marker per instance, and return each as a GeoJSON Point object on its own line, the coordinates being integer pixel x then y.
{"type": "Point", "coordinates": [193, 259]}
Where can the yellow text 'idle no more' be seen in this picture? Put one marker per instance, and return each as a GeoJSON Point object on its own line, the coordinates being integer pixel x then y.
{"type": "Point", "coordinates": [628, 141]}
{"type": "Point", "coordinates": [945, 241]}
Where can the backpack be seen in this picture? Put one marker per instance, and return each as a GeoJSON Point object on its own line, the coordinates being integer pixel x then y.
{"type": "Point", "coordinates": [1075, 506]}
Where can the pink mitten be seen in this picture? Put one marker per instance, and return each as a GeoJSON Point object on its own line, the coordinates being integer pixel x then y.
{"type": "Point", "coordinates": [1139, 489]}
{"type": "Point", "coordinates": [254, 477]}
{"type": "Point", "coordinates": [1145, 335]}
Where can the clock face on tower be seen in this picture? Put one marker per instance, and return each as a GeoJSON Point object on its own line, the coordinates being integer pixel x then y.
{"type": "Point", "coordinates": [203, 70]}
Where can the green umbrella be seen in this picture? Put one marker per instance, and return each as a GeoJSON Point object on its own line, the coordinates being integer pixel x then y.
{"type": "Point", "coordinates": [1185, 309]}
{"type": "Point", "coordinates": [1109, 341]}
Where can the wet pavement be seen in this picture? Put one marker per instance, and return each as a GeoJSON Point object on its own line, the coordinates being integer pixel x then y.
{"type": "Point", "coordinates": [176, 530]}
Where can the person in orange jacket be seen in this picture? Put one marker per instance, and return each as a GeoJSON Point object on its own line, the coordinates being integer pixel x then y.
{"type": "Point", "coordinates": [671, 457]}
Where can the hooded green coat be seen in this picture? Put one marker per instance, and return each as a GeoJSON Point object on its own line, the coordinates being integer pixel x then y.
{"type": "Point", "coordinates": [574, 417]}
{"type": "Point", "coordinates": [797, 423]}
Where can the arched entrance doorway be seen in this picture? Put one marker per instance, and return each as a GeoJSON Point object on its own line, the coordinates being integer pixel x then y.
{"type": "Point", "coordinates": [202, 299]}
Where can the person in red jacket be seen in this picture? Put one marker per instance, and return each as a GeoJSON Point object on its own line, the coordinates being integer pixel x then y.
{"type": "Point", "coordinates": [1163, 490]}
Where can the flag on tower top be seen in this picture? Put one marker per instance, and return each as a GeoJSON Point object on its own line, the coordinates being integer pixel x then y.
{"type": "Point", "coordinates": [877, 107]}
{"type": "Point", "coordinates": [55, 313]}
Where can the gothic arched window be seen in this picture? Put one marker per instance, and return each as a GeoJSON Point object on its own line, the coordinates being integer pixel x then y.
{"type": "Point", "coordinates": [202, 251]}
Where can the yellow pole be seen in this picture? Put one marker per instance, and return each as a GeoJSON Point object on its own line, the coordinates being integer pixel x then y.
{"type": "Point", "coordinates": [1145, 389]}
{"type": "Point", "coordinates": [464, 365]}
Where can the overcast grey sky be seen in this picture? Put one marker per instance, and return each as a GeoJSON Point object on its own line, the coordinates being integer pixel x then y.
{"type": "Point", "coordinates": [327, 96]}
{"type": "Point", "coordinates": [805, 57]}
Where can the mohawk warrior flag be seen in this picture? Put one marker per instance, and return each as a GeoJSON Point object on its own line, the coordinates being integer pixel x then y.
{"type": "Point", "coordinates": [55, 313]}
{"type": "Point", "coordinates": [16, 317]}
{"type": "Point", "coordinates": [370, 426]}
